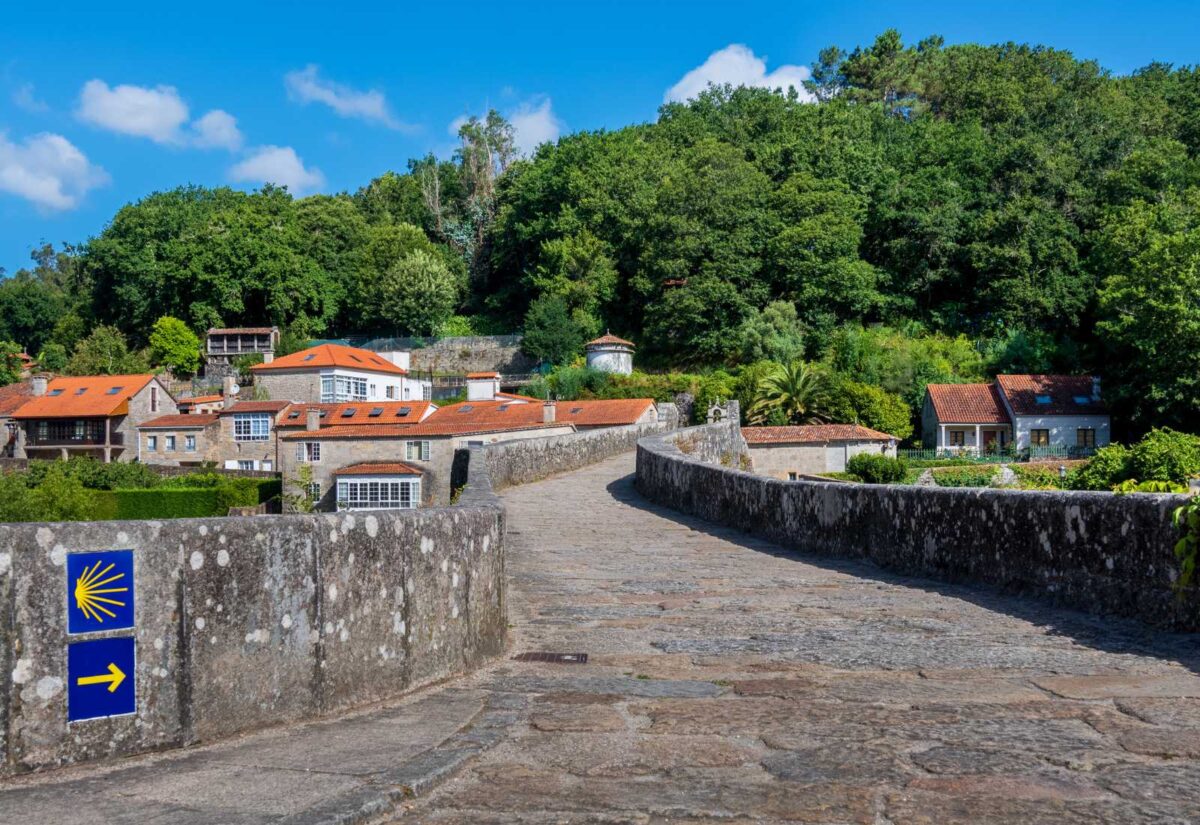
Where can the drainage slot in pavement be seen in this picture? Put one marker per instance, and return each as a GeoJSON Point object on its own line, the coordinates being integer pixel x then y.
{"type": "Point", "coordinates": [553, 658]}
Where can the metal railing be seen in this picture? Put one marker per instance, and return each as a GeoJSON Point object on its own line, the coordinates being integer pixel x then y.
{"type": "Point", "coordinates": [66, 434]}
{"type": "Point", "coordinates": [1004, 455]}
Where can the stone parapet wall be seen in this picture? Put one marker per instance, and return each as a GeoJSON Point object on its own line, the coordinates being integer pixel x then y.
{"type": "Point", "coordinates": [1099, 552]}
{"type": "Point", "coordinates": [247, 622]}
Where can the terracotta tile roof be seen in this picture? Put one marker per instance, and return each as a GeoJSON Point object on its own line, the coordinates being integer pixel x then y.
{"type": "Point", "coordinates": [324, 356]}
{"type": "Point", "coordinates": [256, 406]}
{"type": "Point", "coordinates": [27, 360]}
{"type": "Point", "coordinates": [967, 403]}
{"type": "Point", "coordinates": [180, 422]}
{"type": "Point", "coordinates": [606, 413]}
{"type": "Point", "coordinates": [242, 331]}
{"type": "Point", "coordinates": [813, 434]}
{"type": "Point", "coordinates": [1059, 392]}
{"type": "Point", "coordinates": [426, 430]}
{"type": "Point", "coordinates": [199, 399]}
{"type": "Point", "coordinates": [483, 375]}
{"type": "Point", "coordinates": [512, 396]}
{"type": "Point", "coordinates": [90, 396]}
{"type": "Point", "coordinates": [393, 468]}
{"type": "Point", "coordinates": [13, 396]}
{"type": "Point", "coordinates": [335, 413]}
{"type": "Point", "coordinates": [609, 338]}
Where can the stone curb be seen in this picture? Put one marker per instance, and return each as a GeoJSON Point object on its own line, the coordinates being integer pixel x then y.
{"type": "Point", "coordinates": [423, 773]}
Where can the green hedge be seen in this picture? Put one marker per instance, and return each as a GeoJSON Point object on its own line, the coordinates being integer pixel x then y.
{"type": "Point", "coordinates": [964, 476]}
{"type": "Point", "coordinates": [177, 501]}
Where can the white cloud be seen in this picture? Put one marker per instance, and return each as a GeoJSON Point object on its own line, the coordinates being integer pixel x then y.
{"type": "Point", "coordinates": [217, 129]}
{"type": "Point", "coordinates": [738, 66]}
{"type": "Point", "coordinates": [306, 86]}
{"type": "Point", "coordinates": [156, 113]}
{"type": "Point", "coordinates": [47, 170]}
{"type": "Point", "coordinates": [534, 125]}
{"type": "Point", "coordinates": [25, 98]}
{"type": "Point", "coordinates": [279, 165]}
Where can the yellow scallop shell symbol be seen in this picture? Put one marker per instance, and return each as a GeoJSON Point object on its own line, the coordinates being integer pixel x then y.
{"type": "Point", "coordinates": [91, 594]}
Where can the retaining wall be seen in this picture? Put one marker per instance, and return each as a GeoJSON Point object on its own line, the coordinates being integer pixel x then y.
{"type": "Point", "coordinates": [1100, 552]}
{"type": "Point", "coordinates": [247, 622]}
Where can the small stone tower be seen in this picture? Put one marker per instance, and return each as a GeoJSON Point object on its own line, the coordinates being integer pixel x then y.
{"type": "Point", "coordinates": [608, 353]}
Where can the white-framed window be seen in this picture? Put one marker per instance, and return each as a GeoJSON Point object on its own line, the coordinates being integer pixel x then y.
{"type": "Point", "coordinates": [327, 389]}
{"type": "Point", "coordinates": [267, 466]}
{"type": "Point", "coordinates": [308, 452]}
{"type": "Point", "coordinates": [426, 392]}
{"type": "Point", "coordinates": [245, 465]}
{"type": "Point", "coordinates": [251, 426]}
{"type": "Point", "coordinates": [189, 443]}
{"type": "Point", "coordinates": [170, 443]}
{"type": "Point", "coordinates": [391, 392]}
{"type": "Point", "coordinates": [378, 493]}
{"type": "Point", "coordinates": [153, 398]}
{"type": "Point", "coordinates": [152, 443]}
{"type": "Point", "coordinates": [1085, 437]}
{"type": "Point", "coordinates": [416, 450]}
{"type": "Point", "coordinates": [313, 491]}
{"type": "Point", "coordinates": [372, 394]}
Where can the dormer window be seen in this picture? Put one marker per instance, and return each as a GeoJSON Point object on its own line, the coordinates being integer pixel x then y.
{"type": "Point", "coordinates": [294, 414]}
{"type": "Point", "coordinates": [466, 408]}
{"type": "Point", "coordinates": [81, 391]}
{"type": "Point", "coordinates": [376, 412]}
{"type": "Point", "coordinates": [1043, 399]}
{"type": "Point", "coordinates": [310, 356]}
{"type": "Point", "coordinates": [576, 410]}
{"type": "Point", "coordinates": [114, 390]}
{"type": "Point", "coordinates": [55, 392]}
{"type": "Point", "coordinates": [349, 412]}
{"type": "Point", "coordinates": [1082, 400]}
{"type": "Point", "coordinates": [403, 411]}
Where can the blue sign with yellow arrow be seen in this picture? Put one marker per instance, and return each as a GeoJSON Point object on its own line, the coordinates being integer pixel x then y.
{"type": "Point", "coordinates": [99, 591]}
{"type": "Point", "coordinates": [100, 678]}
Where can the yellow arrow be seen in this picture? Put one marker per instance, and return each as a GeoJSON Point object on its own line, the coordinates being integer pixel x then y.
{"type": "Point", "coordinates": [114, 678]}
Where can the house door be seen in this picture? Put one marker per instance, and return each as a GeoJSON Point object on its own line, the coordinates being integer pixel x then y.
{"type": "Point", "coordinates": [989, 440]}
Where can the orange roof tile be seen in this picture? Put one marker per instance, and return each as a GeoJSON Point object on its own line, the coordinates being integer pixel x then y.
{"type": "Point", "coordinates": [609, 338]}
{"type": "Point", "coordinates": [473, 375]}
{"type": "Point", "coordinates": [335, 414]}
{"type": "Point", "coordinates": [199, 399]}
{"type": "Point", "coordinates": [392, 468]}
{"type": "Point", "coordinates": [90, 396]}
{"type": "Point", "coordinates": [426, 430]}
{"type": "Point", "coordinates": [180, 422]}
{"type": "Point", "coordinates": [605, 413]}
{"type": "Point", "coordinates": [1060, 392]}
{"type": "Point", "coordinates": [13, 396]}
{"type": "Point", "coordinates": [967, 403]}
{"type": "Point", "coordinates": [243, 331]}
{"type": "Point", "coordinates": [256, 406]}
{"type": "Point", "coordinates": [324, 356]}
{"type": "Point", "coordinates": [813, 434]}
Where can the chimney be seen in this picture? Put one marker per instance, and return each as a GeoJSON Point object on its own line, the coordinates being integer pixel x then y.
{"type": "Point", "coordinates": [1096, 388]}
{"type": "Point", "coordinates": [228, 395]}
{"type": "Point", "coordinates": [39, 384]}
{"type": "Point", "coordinates": [268, 357]}
{"type": "Point", "coordinates": [482, 386]}
{"type": "Point", "coordinates": [549, 411]}
{"type": "Point", "coordinates": [312, 419]}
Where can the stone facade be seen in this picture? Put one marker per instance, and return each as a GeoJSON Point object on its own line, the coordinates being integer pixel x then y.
{"type": "Point", "coordinates": [155, 446]}
{"type": "Point", "coordinates": [462, 355]}
{"type": "Point", "coordinates": [789, 460]}
{"type": "Point", "coordinates": [1100, 552]}
{"type": "Point", "coordinates": [280, 385]}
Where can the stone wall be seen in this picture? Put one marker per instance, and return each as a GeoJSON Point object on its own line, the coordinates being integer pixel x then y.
{"type": "Point", "coordinates": [247, 622]}
{"type": "Point", "coordinates": [1099, 552]}
{"type": "Point", "coordinates": [458, 356]}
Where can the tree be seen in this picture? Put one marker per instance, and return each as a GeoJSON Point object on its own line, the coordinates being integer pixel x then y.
{"type": "Point", "coordinates": [551, 334]}
{"type": "Point", "coordinates": [53, 357]}
{"type": "Point", "coordinates": [775, 334]}
{"type": "Point", "coordinates": [418, 294]}
{"type": "Point", "coordinates": [799, 391]}
{"type": "Point", "coordinates": [578, 268]}
{"type": "Point", "coordinates": [105, 352]}
{"type": "Point", "coordinates": [10, 363]}
{"type": "Point", "coordinates": [174, 346]}
{"type": "Point", "coordinates": [851, 402]}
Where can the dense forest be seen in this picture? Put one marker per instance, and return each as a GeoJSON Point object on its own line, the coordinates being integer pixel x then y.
{"type": "Point", "coordinates": [938, 213]}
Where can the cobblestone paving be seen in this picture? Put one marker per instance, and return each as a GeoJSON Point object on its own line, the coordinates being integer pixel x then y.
{"type": "Point", "coordinates": [731, 681]}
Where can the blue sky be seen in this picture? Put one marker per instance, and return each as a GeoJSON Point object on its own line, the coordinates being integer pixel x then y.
{"type": "Point", "coordinates": [101, 104]}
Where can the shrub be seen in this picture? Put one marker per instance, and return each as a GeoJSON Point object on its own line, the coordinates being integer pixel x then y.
{"type": "Point", "coordinates": [1106, 469]}
{"type": "Point", "coordinates": [964, 476]}
{"type": "Point", "coordinates": [1038, 478]}
{"type": "Point", "coordinates": [874, 468]}
{"type": "Point", "coordinates": [94, 474]}
{"type": "Point", "coordinates": [1166, 455]}
{"type": "Point", "coordinates": [159, 503]}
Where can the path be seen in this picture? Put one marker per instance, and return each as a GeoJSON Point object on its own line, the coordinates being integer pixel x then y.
{"type": "Point", "coordinates": [726, 681]}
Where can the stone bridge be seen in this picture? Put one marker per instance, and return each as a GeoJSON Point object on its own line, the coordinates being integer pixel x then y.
{"type": "Point", "coordinates": [725, 680]}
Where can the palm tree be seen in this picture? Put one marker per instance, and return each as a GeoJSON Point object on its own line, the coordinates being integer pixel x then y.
{"type": "Point", "coordinates": [798, 390]}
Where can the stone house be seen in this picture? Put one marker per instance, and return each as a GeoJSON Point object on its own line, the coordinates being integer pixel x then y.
{"type": "Point", "coordinates": [332, 373]}
{"type": "Point", "coordinates": [1060, 413]}
{"type": "Point", "coordinates": [242, 436]}
{"type": "Point", "coordinates": [201, 404]}
{"type": "Point", "coordinates": [224, 346]}
{"type": "Point", "coordinates": [12, 436]}
{"type": "Point", "coordinates": [183, 440]}
{"type": "Point", "coordinates": [790, 452]}
{"type": "Point", "coordinates": [95, 416]}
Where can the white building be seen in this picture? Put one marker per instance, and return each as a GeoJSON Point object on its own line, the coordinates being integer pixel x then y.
{"type": "Point", "coordinates": [608, 353]}
{"type": "Point", "coordinates": [332, 373]}
{"type": "Point", "coordinates": [1039, 412]}
{"type": "Point", "coordinates": [809, 449]}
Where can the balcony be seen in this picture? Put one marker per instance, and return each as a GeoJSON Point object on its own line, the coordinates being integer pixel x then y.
{"type": "Point", "coordinates": [71, 434]}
